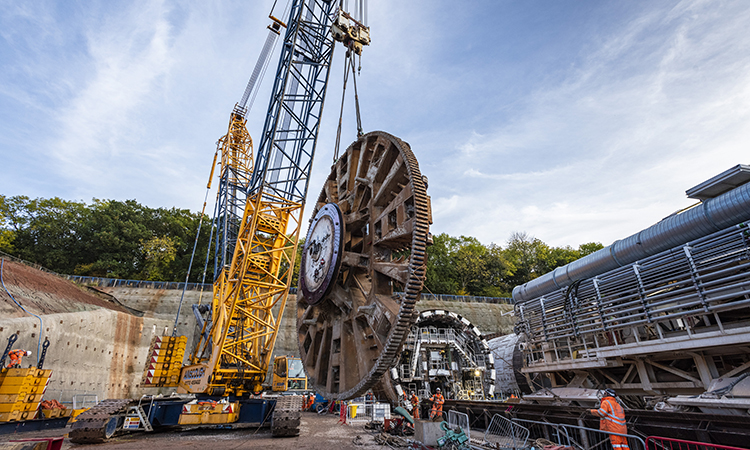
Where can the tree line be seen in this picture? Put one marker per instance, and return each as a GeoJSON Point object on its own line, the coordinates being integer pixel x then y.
{"type": "Point", "coordinates": [464, 266]}
{"type": "Point", "coordinates": [107, 238]}
{"type": "Point", "coordinates": [124, 239]}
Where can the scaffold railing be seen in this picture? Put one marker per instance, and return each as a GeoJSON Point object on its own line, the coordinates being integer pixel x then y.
{"type": "Point", "coordinates": [685, 293]}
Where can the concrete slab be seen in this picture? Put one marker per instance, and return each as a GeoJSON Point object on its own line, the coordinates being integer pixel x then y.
{"type": "Point", "coordinates": [427, 432]}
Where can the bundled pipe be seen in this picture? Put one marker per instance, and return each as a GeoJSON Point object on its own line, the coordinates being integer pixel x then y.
{"type": "Point", "coordinates": [710, 216]}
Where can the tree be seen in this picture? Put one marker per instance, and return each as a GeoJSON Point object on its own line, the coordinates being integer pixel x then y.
{"type": "Point", "coordinates": [159, 253]}
{"type": "Point", "coordinates": [7, 236]}
{"type": "Point", "coordinates": [589, 248]}
{"type": "Point", "coordinates": [499, 270]}
{"type": "Point", "coordinates": [529, 256]}
{"type": "Point", "coordinates": [47, 231]}
{"type": "Point", "coordinates": [440, 278]}
{"type": "Point", "coordinates": [470, 265]}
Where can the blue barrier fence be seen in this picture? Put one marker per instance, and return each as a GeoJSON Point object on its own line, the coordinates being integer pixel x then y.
{"type": "Point", "coordinates": [115, 282]}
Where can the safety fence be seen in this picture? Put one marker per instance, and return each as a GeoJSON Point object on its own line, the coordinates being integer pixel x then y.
{"type": "Point", "coordinates": [504, 433]}
{"type": "Point", "coordinates": [26, 263]}
{"type": "Point", "coordinates": [116, 282]}
{"type": "Point", "coordinates": [662, 443]}
{"type": "Point", "coordinates": [466, 298]}
{"type": "Point", "coordinates": [578, 437]}
{"type": "Point", "coordinates": [364, 412]}
{"type": "Point", "coordinates": [72, 397]}
{"type": "Point", "coordinates": [461, 420]}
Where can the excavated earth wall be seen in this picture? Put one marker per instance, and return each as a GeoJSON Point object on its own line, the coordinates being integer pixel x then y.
{"type": "Point", "coordinates": [99, 336]}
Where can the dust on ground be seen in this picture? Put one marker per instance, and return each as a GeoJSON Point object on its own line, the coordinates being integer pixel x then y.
{"type": "Point", "coordinates": [316, 432]}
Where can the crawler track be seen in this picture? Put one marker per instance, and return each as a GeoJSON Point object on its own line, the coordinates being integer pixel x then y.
{"type": "Point", "coordinates": [91, 426]}
{"type": "Point", "coordinates": [286, 416]}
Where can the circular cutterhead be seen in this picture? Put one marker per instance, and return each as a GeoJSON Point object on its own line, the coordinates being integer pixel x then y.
{"type": "Point", "coordinates": [321, 255]}
{"type": "Point", "coordinates": [352, 335]}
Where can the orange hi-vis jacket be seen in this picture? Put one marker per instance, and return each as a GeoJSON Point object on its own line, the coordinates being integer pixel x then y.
{"type": "Point", "coordinates": [414, 400]}
{"type": "Point", "coordinates": [437, 405]}
{"type": "Point", "coordinates": [612, 416]}
{"type": "Point", "coordinates": [16, 356]}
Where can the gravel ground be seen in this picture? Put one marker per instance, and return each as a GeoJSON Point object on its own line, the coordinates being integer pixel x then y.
{"type": "Point", "coordinates": [316, 432]}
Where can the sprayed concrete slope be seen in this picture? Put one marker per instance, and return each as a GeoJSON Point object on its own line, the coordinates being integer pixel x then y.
{"type": "Point", "coordinates": [99, 337]}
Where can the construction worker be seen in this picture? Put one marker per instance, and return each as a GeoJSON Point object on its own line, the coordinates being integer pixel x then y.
{"type": "Point", "coordinates": [16, 356]}
{"type": "Point", "coordinates": [309, 400]}
{"type": "Point", "coordinates": [437, 405]}
{"type": "Point", "coordinates": [369, 397]}
{"type": "Point", "coordinates": [414, 400]}
{"type": "Point", "coordinates": [612, 419]}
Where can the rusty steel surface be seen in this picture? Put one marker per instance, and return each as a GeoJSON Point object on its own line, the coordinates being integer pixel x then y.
{"type": "Point", "coordinates": [354, 333]}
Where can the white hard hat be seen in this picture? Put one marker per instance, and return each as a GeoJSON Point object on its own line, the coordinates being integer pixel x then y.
{"type": "Point", "coordinates": [28, 352]}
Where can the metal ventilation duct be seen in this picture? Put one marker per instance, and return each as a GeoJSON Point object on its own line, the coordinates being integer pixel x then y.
{"type": "Point", "coordinates": [712, 215]}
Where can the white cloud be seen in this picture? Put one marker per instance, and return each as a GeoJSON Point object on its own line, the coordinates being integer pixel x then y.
{"type": "Point", "coordinates": [660, 106]}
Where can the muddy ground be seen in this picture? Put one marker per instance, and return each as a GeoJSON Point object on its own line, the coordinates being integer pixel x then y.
{"type": "Point", "coordinates": [316, 432]}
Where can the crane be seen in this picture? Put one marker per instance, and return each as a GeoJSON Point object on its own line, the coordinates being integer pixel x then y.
{"type": "Point", "coordinates": [234, 356]}
{"type": "Point", "coordinates": [258, 216]}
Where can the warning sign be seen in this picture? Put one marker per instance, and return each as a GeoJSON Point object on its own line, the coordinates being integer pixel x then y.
{"type": "Point", "coordinates": [131, 423]}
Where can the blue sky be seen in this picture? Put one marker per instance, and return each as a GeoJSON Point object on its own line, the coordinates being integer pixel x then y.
{"type": "Point", "coordinates": [573, 121]}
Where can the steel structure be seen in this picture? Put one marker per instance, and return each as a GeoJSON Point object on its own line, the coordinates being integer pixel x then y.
{"type": "Point", "coordinates": [234, 356]}
{"type": "Point", "coordinates": [444, 350]}
{"type": "Point", "coordinates": [366, 243]}
{"type": "Point", "coordinates": [236, 150]}
{"type": "Point", "coordinates": [672, 326]}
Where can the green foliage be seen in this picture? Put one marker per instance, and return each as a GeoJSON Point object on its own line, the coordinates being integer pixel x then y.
{"type": "Point", "coordinates": [7, 236]}
{"type": "Point", "coordinates": [117, 239]}
{"type": "Point", "coordinates": [108, 238]}
{"type": "Point", "coordinates": [463, 266]}
{"type": "Point", "coordinates": [587, 249]}
{"type": "Point", "coordinates": [159, 254]}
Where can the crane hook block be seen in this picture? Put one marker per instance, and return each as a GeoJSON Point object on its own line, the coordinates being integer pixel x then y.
{"type": "Point", "coordinates": [352, 33]}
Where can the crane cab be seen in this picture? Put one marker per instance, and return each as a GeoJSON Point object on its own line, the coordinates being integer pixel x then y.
{"type": "Point", "coordinates": [288, 374]}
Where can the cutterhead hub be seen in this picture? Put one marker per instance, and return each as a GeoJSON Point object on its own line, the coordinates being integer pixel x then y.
{"type": "Point", "coordinates": [321, 255]}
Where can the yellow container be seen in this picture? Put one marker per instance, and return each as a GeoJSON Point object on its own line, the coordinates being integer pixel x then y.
{"type": "Point", "coordinates": [28, 415]}
{"type": "Point", "coordinates": [12, 398]}
{"type": "Point", "coordinates": [52, 413]}
{"type": "Point", "coordinates": [10, 407]}
{"type": "Point", "coordinates": [19, 381]}
{"type": "Point", "coordinates": [14, 389]}
{"type": "Point", "coordinates": [77, 412]}
{"type": "Point", "coordinates": [33, 398]}
{"type": "Point", "coordinates": [21, 372]}
{"type": "Point", "coordinates": [18, 406]}
{"type": "Point", "coordinates": [37, 389]}
{"type": "Point", "coordinates": [10, 416]}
